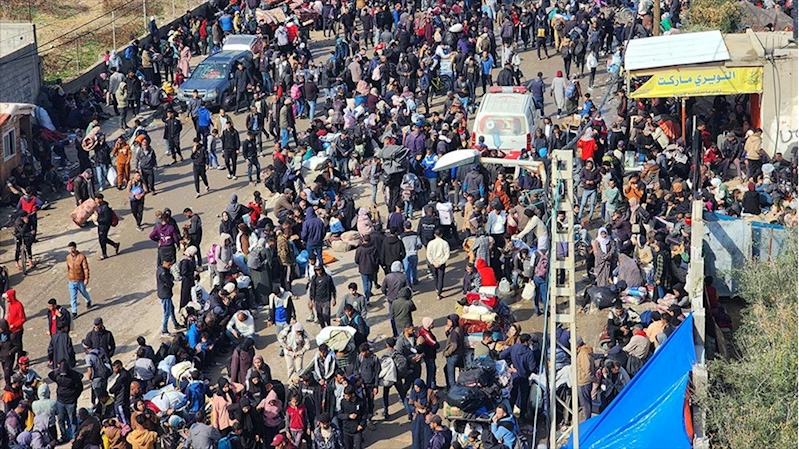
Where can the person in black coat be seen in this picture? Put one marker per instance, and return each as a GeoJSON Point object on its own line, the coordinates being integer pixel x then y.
{"type": "Point", "coordinates": [69, 387]}
{"type": "Point", "coordinates": [172, 129]}
{"type": "Point", "coordinates": [230, 147]}
{"type": "Point", "coordinates": [393, 251]}
{"type": "Point", "coordinates": [105, 219]}
{"type": "Point", "coordinates": [199, 160]}
{"type": "Point", "coordinates": [352, 417]}
{"type": "Point", "coordinates": [121, 391]}
{"type": "Point", "coordinates": [101, 338]}
{"type": "Point", "coordinates": [242, 79]}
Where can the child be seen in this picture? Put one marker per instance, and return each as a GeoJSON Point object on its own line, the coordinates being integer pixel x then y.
{"type": "Point", "coordinates": [410, 187]}
{"type": "Point", "coordinates": [336, 227]}
{"type": "Point", "coordinates": [297, 415]}
{"type": "Point", "coordinates": [213, 143]}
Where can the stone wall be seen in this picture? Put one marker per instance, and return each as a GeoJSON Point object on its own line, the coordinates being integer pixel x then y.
{"type": "Point", "coordinates": [20, 70]}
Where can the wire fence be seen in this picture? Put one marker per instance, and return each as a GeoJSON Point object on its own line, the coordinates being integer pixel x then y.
{"type": "Point", "coordinates": [73, 35]}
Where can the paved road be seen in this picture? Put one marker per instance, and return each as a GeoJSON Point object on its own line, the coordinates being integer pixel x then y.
{"type": "Point", "coordinates": [123, 286]}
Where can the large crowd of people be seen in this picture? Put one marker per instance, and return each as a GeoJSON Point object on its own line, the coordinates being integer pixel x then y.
{"type": "Point", "coordinates": [374, 120]}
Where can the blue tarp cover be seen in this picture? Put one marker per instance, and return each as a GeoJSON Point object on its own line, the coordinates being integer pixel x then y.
{"type": "Point", "coordinates": [649, 411]}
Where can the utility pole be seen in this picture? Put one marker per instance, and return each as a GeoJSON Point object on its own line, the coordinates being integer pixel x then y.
{"type": "Point", "coordinates": [656, 25]}
{"type": "Point", "coordinates": [696, 290]}
{"type": "Point", "coordinates": [144, 8]}
{"type": "Point", "coordinates": [114, 28]}
{"type": "Point", "coordinates": [562, 292]}
{"type": "Point", "coordinates": [77, 52]}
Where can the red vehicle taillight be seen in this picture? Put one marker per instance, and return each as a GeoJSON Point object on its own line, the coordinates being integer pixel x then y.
{"type": "Point", "coordinates": [474, 138]}
{"type": "Point", "coordinates": [529, 141]}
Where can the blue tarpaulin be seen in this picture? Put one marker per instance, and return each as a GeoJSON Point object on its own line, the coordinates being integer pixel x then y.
{"type": "Point", "coordinates": [649, 413]}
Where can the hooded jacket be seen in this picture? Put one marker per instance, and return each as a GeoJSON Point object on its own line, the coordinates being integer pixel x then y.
{"type": "Point", "coordinates": [69, 384]}
{"type": "Point", "coordinates": [61, 349]}
{"type": "Point", "coordinates": [394, 282]}
{"type": "Point", "coordinates": [366, 257]}
{"type": "Point", "coordinates": [142, 439]}
{"type": "Point", "coordinates": [165, 234]}
{"type": "Point", "coordinates": [402, 309]}
{"type": "Point", "coordinates": [15, 312]}
{"type": "Point", "coordinates": [393, 251]}
{"type": "Point", "coordinates": [313, 229]}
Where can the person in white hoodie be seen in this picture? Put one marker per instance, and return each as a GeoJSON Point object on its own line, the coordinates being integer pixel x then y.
{"type": "Point", "coordinates": [437, 256]}
{"type": "Point", "coordinates": [241, 326]}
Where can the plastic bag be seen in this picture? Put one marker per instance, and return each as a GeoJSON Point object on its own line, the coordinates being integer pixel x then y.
{"type": "Point", "coordinates": [111, 177]}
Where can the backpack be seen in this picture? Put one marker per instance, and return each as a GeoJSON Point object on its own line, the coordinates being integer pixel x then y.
{"type": "Point", "coordinates": [70, 185]}
{"type": "Point", "coordinates": [211, 255]}
{"type": "Point", "coordinates": [542, 265]}
{"type": "Point", "coordinates": [104, 370]}
{"type": "Point", "coordinates": [114, 219]}
{"type": "Point", "coordinates": [571, 90]}
{"type": "Point", "coordinates": [295, 92]}
{"type": "Point", "coordinates": [401, 364]}
{"type": "Point", "coordinates": [387, 376]}
{"type": "Point", "coordinates": [362, 322]}
{"type": "Point", "coordinates": [377, 73]}
{"type": "Point", "coordinates": [228, 442]}
{"type": "Point", "coordinates": [175, 271]}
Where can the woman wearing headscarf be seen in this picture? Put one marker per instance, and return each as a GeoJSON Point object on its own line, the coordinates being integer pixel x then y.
{"type": "Point", "coordinates": [185, 59]}
{"type": "Point", "coordinates": [244, 240]}
{"type": "Point", "coordinates": [256, 388]}
{"type": "Point", "coordinates": [224, 255]}
{"type": "Point", "coordinates": [455, 348]}
{"type": "Point", "coordinates": [429, 346]}
{"type": "Point", "coordinates": [272, 409]}
{"type": "Point", "coordinates": [224, 396]}
{"type": "Point", "coordinates": [364, 224]}
{"type": "Point", "coordinates": [423, 401]}
{"type": "Point", "coordinates": [226, 225]}
{"type": "Point", "coordinates": [558, 91]}
{"type": "Point", "coordinates": [261, 368]}
{"type": "Point", "coordinates": [259, 273]}
{"type": "Point", "coordinates": [604, 257]}
{"type": "Point", "coordinates": [751, 200]}
{"type": "Point", "coordinates": [252, 425]}
{"type": "Point", "coordinates": [188, 269]}
{"type": "Point", "coordinates": [241, 361]}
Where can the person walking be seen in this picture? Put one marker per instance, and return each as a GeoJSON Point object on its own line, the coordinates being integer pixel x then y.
{"type": "Point", "coordinates": [165, 285]}
{"type": "Point", "coordinates": [437, 256]}
{"type": "Point", "coordinates": [172, 129]}
{"type": "Point", "coordinates": [102, 160]}
{"type": "Point", "coordinates": [250, 153]}
{"type": "Point", "coordinates": [294, 342]}
{"type": "Point", "coordinates": [199, 164]}
{"type": "Point", "coordinates": [557, 90]}
{"type": "Point", "coordinates": [123, 154]}
{"type": "Point", "coordinates": [352, 416]}
{"type": "Point", "coordinates": [323, 295]}
{"type": "Point", "coordinates": [194, 229]}
{"type": "Point", "coordinates": [106, 218]}
{"type": "Point", "coordinates": [77, 277]}
{"type": "Point", "coordinates": [366, 257]}
{"type": "Point", "coordinates": [230, 147]}
{"type": "Point", "coordinates": [136, 194]}
{"type": "Point", "coordinates": [121, 97]}
{"type": "Point", "coordinates": [412, 244]}
{"type": "Point", "coordinates": [147, 162]}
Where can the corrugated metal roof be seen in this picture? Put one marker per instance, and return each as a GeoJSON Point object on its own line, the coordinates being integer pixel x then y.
{"type": "Point", "coordinates": [675, 50]}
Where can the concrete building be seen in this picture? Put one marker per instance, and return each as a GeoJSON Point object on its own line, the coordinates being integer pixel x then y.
{"type": "Point", "coordinates": [20, 69]}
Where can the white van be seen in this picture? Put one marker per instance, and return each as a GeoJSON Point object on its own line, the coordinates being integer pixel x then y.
{"type": "Point", "coordinates": [505, 119]}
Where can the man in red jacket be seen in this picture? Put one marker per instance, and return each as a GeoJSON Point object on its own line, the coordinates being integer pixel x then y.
{"type": "Point", "coordinates": [15, 315]}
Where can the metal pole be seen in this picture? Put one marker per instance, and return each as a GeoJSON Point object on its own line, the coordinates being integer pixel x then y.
{"type": "Point", "coordinates": [656, 25]}
{"type": "Point", "coordinates": [114, 28]}
{"type": "Point", "coordinates": [683, 119]}
{"type": "Point", "coordinates": [77, 52]}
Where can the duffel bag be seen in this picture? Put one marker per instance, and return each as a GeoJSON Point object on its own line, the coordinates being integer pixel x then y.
{"type": "Point", "coordinates": [475, 377]}
{"type": "Point", "coordinates": [467, 399]}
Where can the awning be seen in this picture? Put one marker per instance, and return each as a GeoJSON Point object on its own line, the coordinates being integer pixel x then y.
{"type": "Point", "coordinates": [456, 159]}
{"type": "Point", "coordinates": [701, 81]}
{"type": "Point", "coordinates": [8, 110]}
{"type": "Point", "coordinates": [675, 50]}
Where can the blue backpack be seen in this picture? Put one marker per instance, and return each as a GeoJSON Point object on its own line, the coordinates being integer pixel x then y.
{"type": "Point", "coordinates": [227, 442]}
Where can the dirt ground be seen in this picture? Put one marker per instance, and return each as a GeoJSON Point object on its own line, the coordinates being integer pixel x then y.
{"type": "Point", "coordinates": [123, 286]}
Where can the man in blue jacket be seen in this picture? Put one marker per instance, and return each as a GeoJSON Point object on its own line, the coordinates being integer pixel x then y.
{"type": "Point", "coordinates": [504, 427]}
{"type": "Point", "coordinates": [525, 362]}
{"type": "Point", "coordinates": [313, 232]}
{"type": "Point", "coordinates": [203, 123]}
{"type": "Point", "coordinates": [195, 394]}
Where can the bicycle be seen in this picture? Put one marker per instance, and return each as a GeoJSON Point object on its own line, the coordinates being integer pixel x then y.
{"type": "Point", "coordinates": [25, 256]}
{"type": "Point", "coordinates": [440, 84]}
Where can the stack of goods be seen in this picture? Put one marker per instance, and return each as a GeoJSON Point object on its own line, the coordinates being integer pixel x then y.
{"type": "Point", "coordinates": [635, 295]}
{"type": "Point", "coordinates": [477, 391]}
{"type": "Point", "coordinates": [482, 313]}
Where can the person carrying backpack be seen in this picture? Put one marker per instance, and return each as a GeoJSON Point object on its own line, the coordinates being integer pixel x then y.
{"type": "Point", "coordinates": [99, 369]}
{"type": "Point", "coordinates": [394, 372]}
{"type": "Point", "coordinates": [353, 319]}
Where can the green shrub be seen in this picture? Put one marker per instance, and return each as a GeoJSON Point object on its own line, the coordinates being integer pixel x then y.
{"type": "Point", "coordinates": [723, 15]}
